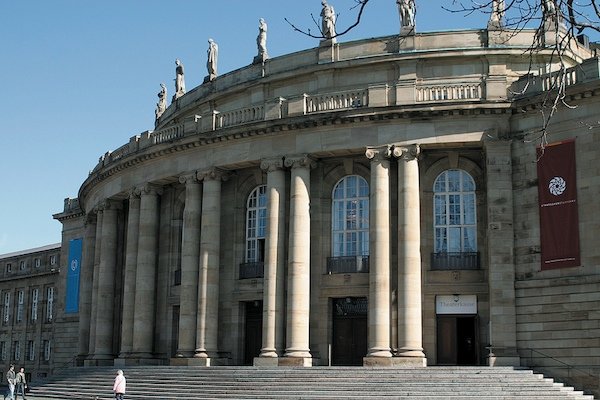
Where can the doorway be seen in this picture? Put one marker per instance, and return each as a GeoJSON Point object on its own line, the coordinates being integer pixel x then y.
{"type": "Point", "coordinates": [349, 331]}
{"type": "Point", "coordinates": [252, 330]}
{"type": "Point", "coordinates": [175, 331]}
{"type": "Point", "coordinates": [457, 342]}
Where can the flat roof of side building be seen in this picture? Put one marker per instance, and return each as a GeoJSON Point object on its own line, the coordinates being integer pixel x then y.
{"type": "Point", "coordinates": [19, 253]}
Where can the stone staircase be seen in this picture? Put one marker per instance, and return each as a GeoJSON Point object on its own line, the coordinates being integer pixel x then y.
{"type": "Point", "coordinates": [166, 382]}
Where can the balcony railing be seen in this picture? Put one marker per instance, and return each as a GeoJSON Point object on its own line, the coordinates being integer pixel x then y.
{"type": "Point", "coordinates": [252, 270]}
{"type": "Point", "coordinates": [347, 264]}
{"type": "Point", "coordinates": [453, 261]}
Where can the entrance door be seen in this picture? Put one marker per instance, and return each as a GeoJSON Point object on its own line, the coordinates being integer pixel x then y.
{"type": "Point", "coordinates": [457, 340]}
{"type": "Point", "coordinates": [253, 331]}
{"type": "Point", "coordinates": [349, 342]}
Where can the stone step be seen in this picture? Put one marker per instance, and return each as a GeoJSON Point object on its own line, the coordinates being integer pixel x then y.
{"type": "Point", "coordinates": [185, 383]}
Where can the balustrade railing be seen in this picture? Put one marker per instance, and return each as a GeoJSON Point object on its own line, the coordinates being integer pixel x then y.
{"type": "Point", "coordinates": [454, 261]}
{"type": "Point", "coordinates": [167, 134]}
{"type": "Point", "coordinates": [347, 264]}
{"type": "Point", "coordinates": [251, 270]}
{"type": "Point", "coordinates": [240, 116]}
{"type": "Point", "coordinates": [450, 92]}
{"type": "Point", "coordinates": [337, 101]}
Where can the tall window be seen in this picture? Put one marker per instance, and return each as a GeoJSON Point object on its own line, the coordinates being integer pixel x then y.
{"type": "Point", "coordinates": [53, 259]}
{"type": "Point", "coordinates": [455, 219]}
{"type": "Point", "coordinates": [6, 311]}
{"type": "Point", "coordinates": [49, 303]}
{"type": "Point", "coordinates": [3, 350]}
{"type": "Point", "coordinates": [20, 304]}
{"type": "Point", "coordinates": [31, 350]}
{"type": "Point", "coordinates": [35, 294]}
{"type": "Point", "coordinates": [47, 345]}
{"type": "Point", "coordinates": [17, 348]}
{"type": "Point", "coordinates": [256, 224]}
{"type": "Point", "coordinates": [350, 220]}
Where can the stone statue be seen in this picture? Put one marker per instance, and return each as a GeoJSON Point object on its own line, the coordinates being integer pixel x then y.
{"type": "Point", "coordinates": [261, 40]}
{"type": "Point", "coordinates": [179, 80]}
{"type": "Point", "coordinates": [328, 21]}
{"type": "Point", "coordinates": [497, 15]}
{"type": "Point", "coordinates": [407, 10]}
{"type": "Point", "coordinates": [211, 63]}
{"type": "Point", "coordinates": [549, 9]}
{"type": "Point", "coordinates": [161, 106]}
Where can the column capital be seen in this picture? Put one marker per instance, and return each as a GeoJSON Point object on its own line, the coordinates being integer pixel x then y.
{"type": "Point", "coordinates": [407, 153]}
{"type": "Point", "coordinates": [191, 177]}
{"type": "Point", "coordinates": [379, 153]}
{"type": "Point", "coordinates": [90, 219]}
{"type": "Point", "coordinates": [271, 164]}
{"type": "Point", "coordinates": [300, 161]}
{"type": "Point", "coordinates": [133, 194]}
{"type": "Point", "coordinates": [109, 204]}
{"type": "Point", "coordinates": [150, 189]}
{"type": "Point", "coordinates": [213, 174]}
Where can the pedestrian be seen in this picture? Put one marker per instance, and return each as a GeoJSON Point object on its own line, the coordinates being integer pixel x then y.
{"type": "Point", "coordinates": [119, 386]}
{"type": "Point", "coordinates": [11, 379]}
{"type": "Point", "coordinates": [21, 383]}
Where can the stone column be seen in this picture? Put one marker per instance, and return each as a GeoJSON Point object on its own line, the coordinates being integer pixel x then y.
{"type": "Point", "coordinates": [410, 325]}
{"type": "Point", "coordinates": [103, 351]}
{"type": "Point", "coordinates": [145, 277]}
{"type": "Point", "coordinates": [190, 252]}
{"type": "Point", "coordinates": [500, 245]}
{"type": "Point", "coordinates": [208, 290]}
{"type": "Point", "coordinates": [131, 253]}
{"type": "Point", "coordinates": [298, 306]}
{"type": "Point", "coordinates": [379, 257]}
{"type": "Point", "coordinates": [273, 301]}
{"type": "Point", "coordinates": [95, 275]}
{"type": "Point", "coordinates": [86, 284]}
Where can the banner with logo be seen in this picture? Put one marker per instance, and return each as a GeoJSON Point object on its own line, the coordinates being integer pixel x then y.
{"type": "Point", "coordinates": [74, 268]}
{"type": "Point", "coordinates": [559, 218]}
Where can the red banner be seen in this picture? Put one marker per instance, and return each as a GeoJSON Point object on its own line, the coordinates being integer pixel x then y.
{"type": "Point", "coordinates": [557, 193]}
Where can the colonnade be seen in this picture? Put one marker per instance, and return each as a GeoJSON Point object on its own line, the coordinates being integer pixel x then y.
{"type": "Point", "coordinates": [200, 252]}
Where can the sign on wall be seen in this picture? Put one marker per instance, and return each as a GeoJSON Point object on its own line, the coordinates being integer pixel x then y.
{"type": "Point", "coordinates": [74, 269]}
{"type": "Point", "coordinates": [456, 304]}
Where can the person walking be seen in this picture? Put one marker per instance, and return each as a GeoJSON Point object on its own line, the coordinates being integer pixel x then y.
{"type": "Point", "coordinates": [11, 380]}
{"type": "Point", "coordinates": [21, 384]}
{"type": "Point", "coordinates": [119, 385]}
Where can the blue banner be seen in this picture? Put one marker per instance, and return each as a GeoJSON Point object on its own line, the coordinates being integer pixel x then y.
{"type": "Point", "coordinates": [74, 268]}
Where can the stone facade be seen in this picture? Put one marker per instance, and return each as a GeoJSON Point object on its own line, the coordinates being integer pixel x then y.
{"type": "Point", "coordinates": [218, 237]}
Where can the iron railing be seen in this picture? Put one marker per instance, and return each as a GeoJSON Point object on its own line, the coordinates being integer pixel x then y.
{"type": "Point", "coordinates": [347, 264]}
{"type": "Point", "coordinates": [454, 261]}
{"type": "Point", "coordinates": [252, 270]}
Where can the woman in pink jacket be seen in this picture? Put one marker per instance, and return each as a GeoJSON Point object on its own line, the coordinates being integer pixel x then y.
{"type": "Point", "coordinates": [119, 386]}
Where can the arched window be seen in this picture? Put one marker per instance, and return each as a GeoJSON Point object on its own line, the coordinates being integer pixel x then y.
{"type": "Point", "coordinates": [256, 224]}
{"type": "Point", "coordinates": [455, 217]}
{"type": "Point", "coordinates": [350, 217]}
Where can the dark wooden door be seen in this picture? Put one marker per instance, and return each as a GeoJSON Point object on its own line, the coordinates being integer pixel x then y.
{"type": "Point", "coordinates": [457, 340]}
{"type": "Point", "coordinates": [349, 341]}
{"type": "Point", "coordinates": [252, 331]}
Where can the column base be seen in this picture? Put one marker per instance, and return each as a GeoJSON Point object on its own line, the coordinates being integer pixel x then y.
{"type": "Point", "coordinates": [198, 361]}
{"type": "Point", "coordinates": [294, 362]}
{"type": "Point", "coordinates": [266, 361]}
{"type": "Point", "coordinates": [394, 362]}
{"type": "Point", "coordinates": [99, 361]}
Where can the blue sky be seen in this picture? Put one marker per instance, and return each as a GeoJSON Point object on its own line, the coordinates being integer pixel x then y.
{"type": "Point", "coordinates": [79, 78]}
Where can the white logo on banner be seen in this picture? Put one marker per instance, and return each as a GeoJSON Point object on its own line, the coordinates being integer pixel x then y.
{"type": "Point", "coordinates": [557, 186]}
{"type": "Point", "coordinates": [74, 265]}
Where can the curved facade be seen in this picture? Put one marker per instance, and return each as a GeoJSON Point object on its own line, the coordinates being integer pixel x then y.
{"type": "Point", "coordinates": [357, 203]}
